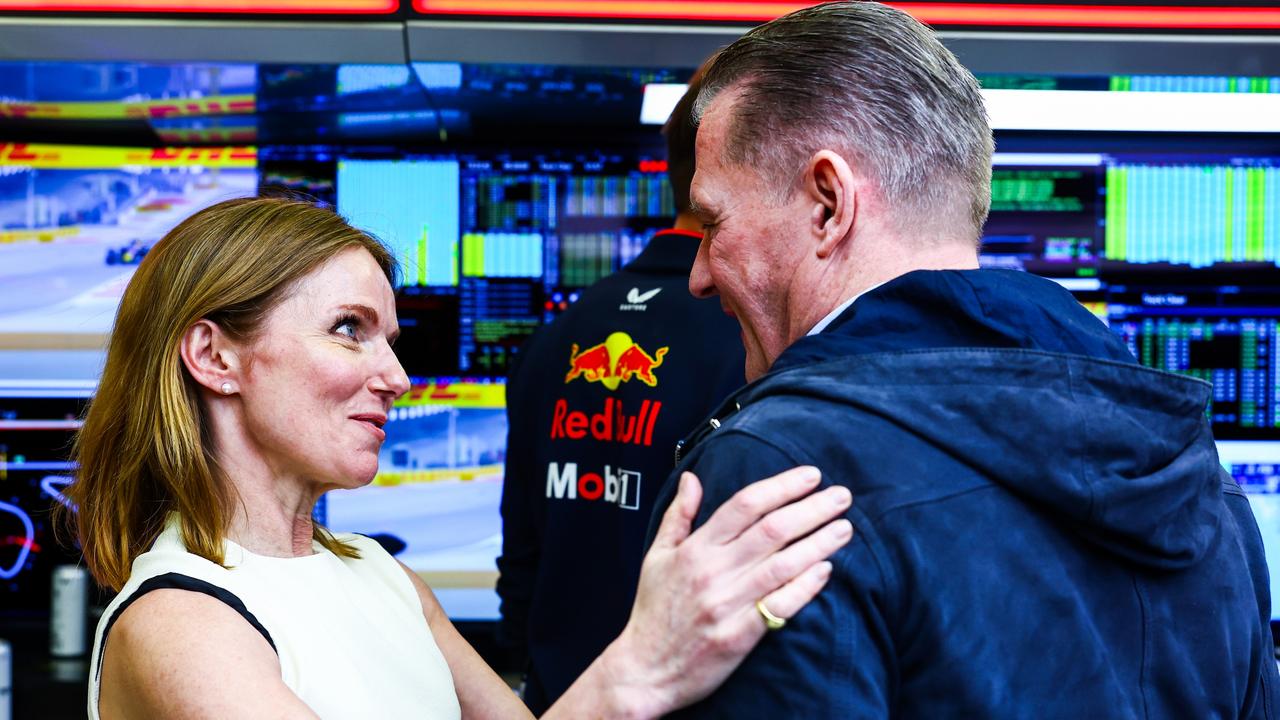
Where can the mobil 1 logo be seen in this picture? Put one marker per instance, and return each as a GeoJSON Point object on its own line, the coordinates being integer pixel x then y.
{"type": "Point", "coordinates": [619, 487]}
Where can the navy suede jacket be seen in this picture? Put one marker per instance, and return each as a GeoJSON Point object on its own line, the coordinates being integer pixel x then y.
{"type": "Point", "coordinates": [1042, 528]}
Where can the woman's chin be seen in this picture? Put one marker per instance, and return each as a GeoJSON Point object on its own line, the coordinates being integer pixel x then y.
{"type": "Point", "coordinates": [356, 479]}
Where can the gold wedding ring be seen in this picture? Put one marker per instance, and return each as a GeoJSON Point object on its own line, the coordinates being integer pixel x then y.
{"type": "Point", "coordinates": [771, 621]}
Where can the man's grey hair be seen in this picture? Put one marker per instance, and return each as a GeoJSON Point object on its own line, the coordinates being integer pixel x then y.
{"type": "Point", "coordinates": [871, 83]}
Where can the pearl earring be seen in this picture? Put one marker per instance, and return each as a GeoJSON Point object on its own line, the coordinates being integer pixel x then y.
{"type": "Point", "coordinates": [226, 388]}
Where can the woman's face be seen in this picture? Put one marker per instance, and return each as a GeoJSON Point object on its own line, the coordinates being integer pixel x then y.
{"type": "Point", "coordinates": [321, 376]}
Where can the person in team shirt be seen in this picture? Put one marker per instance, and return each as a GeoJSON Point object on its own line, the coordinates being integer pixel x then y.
{"type": "Point", "coordinates": [596, 402]}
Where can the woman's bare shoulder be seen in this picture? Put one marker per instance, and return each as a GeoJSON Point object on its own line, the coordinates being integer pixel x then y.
{"type": "Point", "coordinates": [178, 653]}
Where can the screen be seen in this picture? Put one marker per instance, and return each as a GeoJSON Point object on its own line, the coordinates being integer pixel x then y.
{"type": "Point", "coordinates": [413, 207]}
{"type": "Point", "coordinates": [493, 245]}
{"type": "Point", "coordinates": [1191, 210]}
{"type": "Point", "coordinates": [125, 90]}
{"type": "Point", "coordinates": [1171, 238]}
{"type": "Point", "coordinates": [75, 221]}
{"type": "Point", "coordinates": [34, 440]}
{"type": "Point", "coordinates": [1222, 334]}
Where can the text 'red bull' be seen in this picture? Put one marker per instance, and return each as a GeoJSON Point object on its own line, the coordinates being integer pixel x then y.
{"type": "Point", "coordinates": [610, 425]}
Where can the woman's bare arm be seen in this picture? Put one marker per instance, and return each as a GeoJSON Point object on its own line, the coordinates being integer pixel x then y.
{"type": "Point", "coordinates": [174, 653]}
{"type": "Point", "coordinates": [481, 693]}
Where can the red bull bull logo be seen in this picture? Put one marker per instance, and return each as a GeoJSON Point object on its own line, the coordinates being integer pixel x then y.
{"type": "Point", "coordinates": [616, 360]}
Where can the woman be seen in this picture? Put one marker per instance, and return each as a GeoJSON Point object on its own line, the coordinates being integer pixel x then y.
{"type": "Point", "coordinates": [250, 370]}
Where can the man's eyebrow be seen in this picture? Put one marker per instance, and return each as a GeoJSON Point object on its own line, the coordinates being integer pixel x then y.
{"type": "Point", "coordinates": [369, 314]}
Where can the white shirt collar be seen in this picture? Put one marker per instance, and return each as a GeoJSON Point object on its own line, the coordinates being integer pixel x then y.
{"type": "Point", "coordinates": [831, 316]}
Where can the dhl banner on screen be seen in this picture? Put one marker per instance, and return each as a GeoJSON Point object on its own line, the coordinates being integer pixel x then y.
{"type": "Point", "coordinates": [145, 109]}
{"type": "Point", "coordinates": [300, 7]}
{"type": "Point", "coordinates": [458, 394]}
{"type": "Point", "coordinates": [82, 157]}
{"type": "Point", "coordinates": [1205, 15]}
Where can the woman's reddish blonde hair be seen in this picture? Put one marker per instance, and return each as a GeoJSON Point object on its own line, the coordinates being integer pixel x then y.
{"type": "Point", "coordinates": [144, 450]}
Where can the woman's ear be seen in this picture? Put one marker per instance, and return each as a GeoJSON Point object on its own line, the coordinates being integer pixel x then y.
{"type": "Point", "coordinates": [210, 357]}
{"type": "Point", "coordinates": [830, 185]}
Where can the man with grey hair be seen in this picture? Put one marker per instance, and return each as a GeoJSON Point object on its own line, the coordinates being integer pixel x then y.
{"type": "Point", "coordinates": [1042, 526]}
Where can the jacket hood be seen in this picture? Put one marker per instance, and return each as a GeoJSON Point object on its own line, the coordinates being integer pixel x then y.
{"type": "Point", "coordinates": [1007, 373]}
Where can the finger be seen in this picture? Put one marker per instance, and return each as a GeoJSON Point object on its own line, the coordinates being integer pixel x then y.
{"type": "Point", "coordinates": [678, 519]}
{"type": "Point", "coordinates": [789, 599]}
{"type": "Point", "coordinates": [785, 566]}
{"type": "Point", "coordinates": [691, 497]}
{"type": "Point", "coordinates": [780, 527]}
{"type": "Point", "coordinates": [756, 500]}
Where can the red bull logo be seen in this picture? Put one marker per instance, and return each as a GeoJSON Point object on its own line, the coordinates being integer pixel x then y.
{"type": "Point", "coordinates": [616, 360]}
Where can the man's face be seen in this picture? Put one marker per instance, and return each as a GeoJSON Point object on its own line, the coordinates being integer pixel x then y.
{"type": "Point", "coordinates": [752, 244]}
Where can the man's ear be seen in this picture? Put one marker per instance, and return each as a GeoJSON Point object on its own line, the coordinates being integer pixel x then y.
{"type": "Point", "coordinates": [830, 186]}
{"type": "Point", "coordinates": [211, 358]}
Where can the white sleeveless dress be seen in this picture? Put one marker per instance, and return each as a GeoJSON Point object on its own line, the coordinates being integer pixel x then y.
{"type": "Point", "coordinates": [350, 633]}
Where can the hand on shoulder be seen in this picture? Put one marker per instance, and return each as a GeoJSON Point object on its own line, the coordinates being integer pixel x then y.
{"type": "Point", "coordinates": [695, 615]}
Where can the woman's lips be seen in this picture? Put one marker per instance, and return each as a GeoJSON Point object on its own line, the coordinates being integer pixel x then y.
{"type": "Point", "coordinates": [374, 424]}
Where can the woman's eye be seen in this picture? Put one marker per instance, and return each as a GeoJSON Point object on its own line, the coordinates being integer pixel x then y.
{"type": "Point", "coordinates": [348, 328]}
